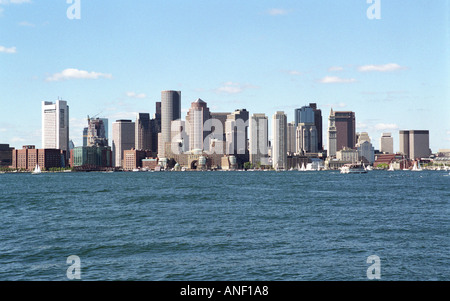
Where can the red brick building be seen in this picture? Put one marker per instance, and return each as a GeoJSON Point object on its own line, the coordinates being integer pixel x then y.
{"type": "Point", "coordinates": [28, 157]}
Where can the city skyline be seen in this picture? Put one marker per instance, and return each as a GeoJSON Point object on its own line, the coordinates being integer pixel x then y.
{"type": "Point", "coordinates": [261, 56]}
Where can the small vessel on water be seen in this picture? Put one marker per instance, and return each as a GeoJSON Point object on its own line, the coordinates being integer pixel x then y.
{"type": "Point", "coordinates": [353, 168]}
{"type": "Point", "coordinates": [37, 170]}
{"type": "Point", "coordinates": [391, 167]}
{"type": "Point", "coordinates": [416, 167]}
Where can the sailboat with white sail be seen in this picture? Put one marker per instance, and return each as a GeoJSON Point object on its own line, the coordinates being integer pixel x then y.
{"type": "Point", "coordinates": [391, 167]}
{"type": "Point", "coordinates": [417, 167]}
{"type": "Point", "coordinates": [37, 170]}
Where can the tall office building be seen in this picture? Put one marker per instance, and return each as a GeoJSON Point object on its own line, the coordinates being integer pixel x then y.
{"type": "Point", "coordinates": [196, 117]}
{"type": "Point", "coordinates": [341, 131]}
{"type": "Point", "coordinates": [291, 138]}
{"type": "Point", "coordinates": [279, 146]}
{"type": "Point", "coordinates": [123, 132]}
{"type": "Point", "coordinates": [304, 115]}
{"type": "Point", "coordinates": [55, 125]}
{"type": "Point", "coordinates": [306, 138]}
{"type": "Point", "coordinates": [259, 139]}
{"type": "Point", "coordinates": [236, 132]}
{"type": "Point", "coordinates": [85, 136]}
{"type": "Point", "coordinates": [170, 111]}
{"type": "Point", "coordinates": [96, 133]}
{"type": "Point", "coordinates": [155, 124]}
{"type": "Point", "coordinates": [415, 144]}
{"type": "Point", "coordinates": [318, 124]}
{"type": "Point", "coordinates": [387, 143]}
{"type": "Point", "coordinates": [143, 132]}
{"type": "Point", "coordinates": [311, 119]}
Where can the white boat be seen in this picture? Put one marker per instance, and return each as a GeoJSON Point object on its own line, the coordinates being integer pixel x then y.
{"type": "Point", "coordinates": [37, 170]}
{"type": "Point", "coordinates": [391, 167]}
{"type": "Point", "coordinates": [369, 168]}
{"type": "Point", "coordinates": [353, 168]}
{"type": "Point", "coordinates": [303, 167]}
{"type": "Point", "coordinates": [417, 167]}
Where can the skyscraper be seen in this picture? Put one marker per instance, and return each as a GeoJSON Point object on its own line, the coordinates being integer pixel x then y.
{"type": "Point", "coordinates": [143, 132]}
{"type": "Point", "coordinates": [55, 125]}
{"type": "Point", "coordinates": [415, 144]}
{"type": "Point", "coordinates": [306, 138]}
{"type": "Point", "coordinates": [291, 138]}
{"type": "Point", "coordinates": [123, 139]}
{"type": "Point", "coordinates": [196, 117]}
{"type": "Point", "coordinates": [156, 127]}
{"type": "Point", "coordinates": [318, 124]}
{"type": "Point", "coordinates": [236, 132]}
{"type": "Point", "coordinates": [96, 133]}
{"type": "Point", "coordinates": [387, 143]}
{"type": "Point", "coordinates": [341, 131]}
{"type": "Point", "coordinates": [259, 139]}
{"type": "Point", "coordinates": [170, 110]}
{"type": "Point", "coordinates": [279, 146]}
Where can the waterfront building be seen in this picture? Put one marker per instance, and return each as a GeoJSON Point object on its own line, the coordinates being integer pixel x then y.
{"type": "Point", "coordinates": [55, 125]}
{"type": "Point", "coordinates": [279, 148]}
{"type": "Point", "coordinates": [123, 139]}
{"type": "Point", "coordinates": [196, 117]}
{"type": "Point", "coordinates": [170, 111]}
{"type": "Point", "coordinates": [415, 144]}
{"type": "Point", "coordinates": [143, 132]}
{"type": "Point", "coordinates": [132, 159]}
{"type": "Point", "coordinates": [258, 139]}
{"type": "Point", "coordinates": [28, 157]}
{"type": "Point", "coordinates": [342, 131]}
{"type": "Point", "coordinates": [236, 132]}
{"type": "Point", "coordinates": [306, 138]}
{"type": "Point", "coordinates": [6, 153]}
{"type": "Point", "coordinates": [291, 138]}
{"type": "Point", "coordinates": [348, 155]}
{"type": "Point", "coordinates": [387, 143]}
{"type": "Point", "coordinates": [366, 151]}
{"type": "Point", "coordinates": [94, 157]}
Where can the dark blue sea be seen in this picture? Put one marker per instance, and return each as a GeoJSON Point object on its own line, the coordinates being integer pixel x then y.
{"type": "Point", "coordinates": [225, 226]}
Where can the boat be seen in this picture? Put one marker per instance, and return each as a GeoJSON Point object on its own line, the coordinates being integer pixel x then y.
{"type": "Point", "coordinates": [303, 167]}
{"type": "Point", "coordinates": [369, 168]}
{"type": "Point", "coordinates": [353, 168]}
{"type": "Point", "coordinates": [37, 170]}
{"type": "Point", "coordinates": [391, 167]}
{"type": "Point", "coordinates": [417, 167]}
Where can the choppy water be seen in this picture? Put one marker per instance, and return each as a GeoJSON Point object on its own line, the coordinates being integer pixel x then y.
{"type": "Point", "coordinates": [225, 225]}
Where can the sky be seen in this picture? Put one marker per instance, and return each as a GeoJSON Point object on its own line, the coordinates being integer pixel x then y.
{"type": "Point", "coordinates": [113, 58]}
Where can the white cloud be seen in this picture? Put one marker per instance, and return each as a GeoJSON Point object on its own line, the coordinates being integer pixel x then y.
{"type": "Point", "coordinates": [336, 80]}
{"type": "Point", "coordinates": [386, 126]}
{"type": "Point", "coordinates": [8, 50]}
{"type": "Point", "coordinates": [292, 72]}
{"type": "Point", "coordinates": [135, 95]}
{"type": "Point", "coordinates": [381, 68]}
{"type": "Point", "coordinates": [25, 23]}
{"type": "Point", "coordinates": [76, 74]}
{"type": "Point", "coordinates": [277, 12]}
{"type": "Point", "coordinates": [335, 68]}
{"type": "Point", "coordinates": [233, 88]}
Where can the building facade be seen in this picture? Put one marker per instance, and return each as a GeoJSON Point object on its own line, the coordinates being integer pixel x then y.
{"type": "Point", "coordinates": [279, 146]}
{"type": "Point", "coordinates": [143, 132]}
{"type": "Point", "coordinates": [196, 117]}
{"type": "Point", "coordinates": [29, 157]}
{"type": "Point", "coordinates": [259, 139]}
{"type": "Point", "coordinates": [170, 111]}
{"type": "Point", "coordinates": [55, 125]}
{"type": "Point", "coordinates": [91, 157]}
{"type": "Point", "coordinates": [123, 139]}
{"type": "Point", "coordinates": [387, 143]}
{"type": "Point", "coordinates": [6, 154]}
{"type": "Point", "coordinates": [415, 144]}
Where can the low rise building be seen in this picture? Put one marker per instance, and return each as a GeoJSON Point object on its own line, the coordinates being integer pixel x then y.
{"type": "Point", "coordinates": [29, 157]}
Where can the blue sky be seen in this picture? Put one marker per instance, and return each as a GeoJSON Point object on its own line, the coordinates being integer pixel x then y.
{"type": "Point", "coordinates": [265, 56]}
